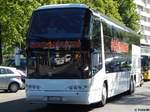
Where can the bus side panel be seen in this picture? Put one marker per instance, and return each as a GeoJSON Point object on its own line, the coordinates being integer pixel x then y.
{"type": "Point", "coordinates": [113, 84]}
{"type": "Point", "coordinates": [117, 59]}
{"type": "Point", "coordinates": [118, 82]}
{"type": "Point", "coordinates": [96, 86]}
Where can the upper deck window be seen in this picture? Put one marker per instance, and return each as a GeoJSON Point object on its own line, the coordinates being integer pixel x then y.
{"type": "Point", "coordinates": [58, 23]}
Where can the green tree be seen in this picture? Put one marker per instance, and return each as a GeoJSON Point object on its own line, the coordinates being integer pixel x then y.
{"type": "Point", "coordinates": [129, 15]}
{"type": "Point", "coordinates": [14, 18]}
{"type": "Point", "coordinates": [108, 7]}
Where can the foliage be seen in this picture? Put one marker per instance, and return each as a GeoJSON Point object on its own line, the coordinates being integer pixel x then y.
{"type": "Point", "coordinates": [127, 10]}
{"type": "Point", "coordinates": [15, 14]}
{"type": "Point", "coordinates": [14, 17]}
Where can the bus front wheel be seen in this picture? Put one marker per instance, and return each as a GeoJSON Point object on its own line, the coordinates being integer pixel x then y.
{"type": "Point", "coordinates": [104, 95]}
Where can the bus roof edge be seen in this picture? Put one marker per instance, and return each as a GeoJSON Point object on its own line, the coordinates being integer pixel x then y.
{"type": "Point", "coordinates": [62, 6]}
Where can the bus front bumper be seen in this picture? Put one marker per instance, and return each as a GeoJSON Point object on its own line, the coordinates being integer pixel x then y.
{"type": "Point", "coordinates": [84, 98]}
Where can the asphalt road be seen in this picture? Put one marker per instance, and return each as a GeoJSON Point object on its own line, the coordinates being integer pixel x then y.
{"type": "Point", "coordinates": [139, 102]}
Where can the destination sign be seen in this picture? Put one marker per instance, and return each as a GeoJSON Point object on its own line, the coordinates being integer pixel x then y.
{"type": "Point", "coordinates": [56, 44]}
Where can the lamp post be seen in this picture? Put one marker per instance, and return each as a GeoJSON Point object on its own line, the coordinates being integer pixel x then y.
{"type": "Point", "coordinates": [17, 56]}
{"type": "Point", "coordinates": [1, 57]}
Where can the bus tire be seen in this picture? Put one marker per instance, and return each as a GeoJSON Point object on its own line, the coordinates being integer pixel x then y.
{"type": "Point", "coordinates": [132, 87]}
{"type": "Point", "coordinates": [142, 81]}
{"type": "Point", "coordinates": [104, 95]}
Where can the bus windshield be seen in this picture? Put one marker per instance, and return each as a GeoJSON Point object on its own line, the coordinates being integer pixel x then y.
{"type": "Point", "coordinates": [58, 23]}
{"type": "Point", "coordinates": [58, 64]}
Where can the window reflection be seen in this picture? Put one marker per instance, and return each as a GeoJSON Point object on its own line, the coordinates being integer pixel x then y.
{"type": "Point", "coordinates": [117, 63]}
{"type": "Point", "coordinates": [58, 63]}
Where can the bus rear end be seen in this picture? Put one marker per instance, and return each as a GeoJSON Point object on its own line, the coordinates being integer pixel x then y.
{"type": "Point", "coordinates": [58, 59]}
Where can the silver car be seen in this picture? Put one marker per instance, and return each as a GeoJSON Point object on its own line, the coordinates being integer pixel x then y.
{"type": "Point", "coordinates": [10, 79]}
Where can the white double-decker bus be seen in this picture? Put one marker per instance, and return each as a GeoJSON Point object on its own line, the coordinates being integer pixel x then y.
{"type": "Point", "coordinates": [76, 55]}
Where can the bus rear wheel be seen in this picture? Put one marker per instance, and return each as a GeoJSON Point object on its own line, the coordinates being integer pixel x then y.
{"type": "Point", "coordinates": [132, 87]}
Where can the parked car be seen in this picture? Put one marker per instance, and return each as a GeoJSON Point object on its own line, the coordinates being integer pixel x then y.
{"type": "Point", "coordinates": [23, 75]}
{"type": "Point", "coordinates": [10, 79]}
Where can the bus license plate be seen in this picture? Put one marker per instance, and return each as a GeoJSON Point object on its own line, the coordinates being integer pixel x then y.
{"type": "Point", "coordinates": [54, 98]}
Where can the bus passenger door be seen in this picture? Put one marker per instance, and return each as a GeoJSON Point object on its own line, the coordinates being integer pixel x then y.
{"type": "Point", "coordinates": [96, 53]}
{"type": "Point", "coordinates": [96, 46]}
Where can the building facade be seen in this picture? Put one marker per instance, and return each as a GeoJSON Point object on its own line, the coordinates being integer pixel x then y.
{"type": "Point", "coordinates": [143, 8]}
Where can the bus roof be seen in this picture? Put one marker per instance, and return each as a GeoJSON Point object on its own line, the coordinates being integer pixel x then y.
{"type": "Point", "coordinates": [62, 6]}
{"type": "Point", "coordinates": [113, 22]}
{"type": "Point", "coordinates": [105, 18]}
